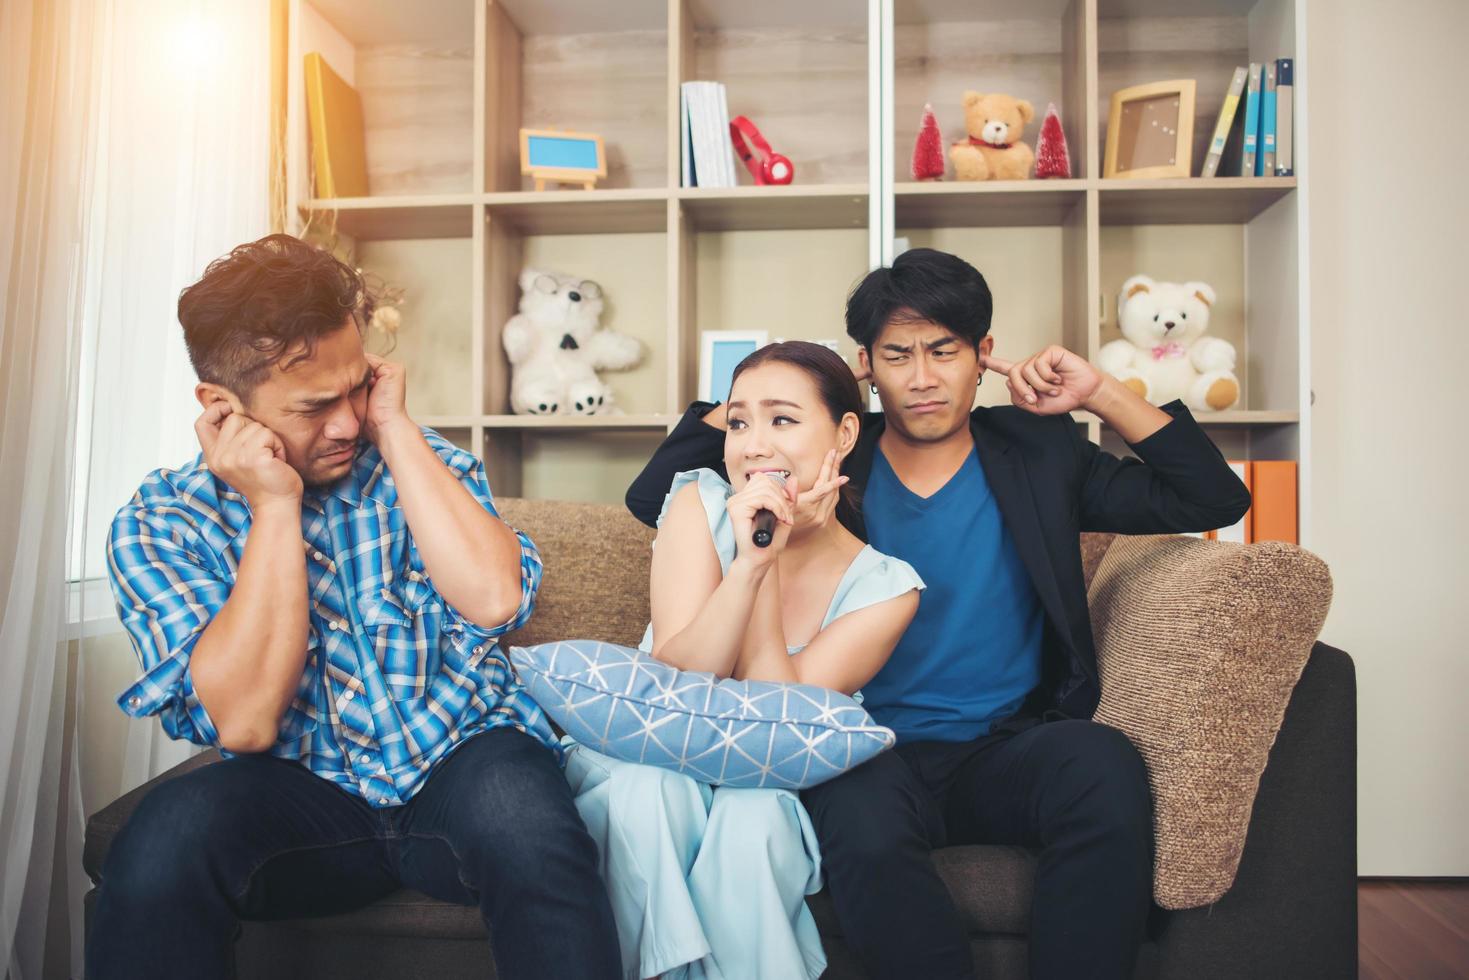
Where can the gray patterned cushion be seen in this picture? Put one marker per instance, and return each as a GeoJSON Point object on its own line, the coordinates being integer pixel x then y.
{"type": "Point", "coordinates": [623, 703]}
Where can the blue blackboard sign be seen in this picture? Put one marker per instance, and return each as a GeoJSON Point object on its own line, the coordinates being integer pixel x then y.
{"type": "Point", "coordinates": [561, 151]}
{"type": "Point", "coordinates": [550, 154]}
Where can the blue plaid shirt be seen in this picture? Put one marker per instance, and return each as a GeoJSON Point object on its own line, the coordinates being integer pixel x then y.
{"type": "Point", "coordinates": [395, 678]}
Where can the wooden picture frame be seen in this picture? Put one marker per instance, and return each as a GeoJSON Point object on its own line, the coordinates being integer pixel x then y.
{"type": "Point", "coordinates": [1150, 131]}
{"type": "Point", "coordinates": [562, 157]}
{"type": "Point", "coordinates": [719, 352]}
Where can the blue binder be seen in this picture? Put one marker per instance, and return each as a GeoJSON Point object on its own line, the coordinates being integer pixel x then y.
{"type": "Point", "coordinates": [1249, 155]}
{"type": "Point", "coordinates": [1265, 158]}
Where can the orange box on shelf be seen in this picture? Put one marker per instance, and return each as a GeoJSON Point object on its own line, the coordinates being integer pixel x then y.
{"type": "Point", "coordinates": [1274, 491]}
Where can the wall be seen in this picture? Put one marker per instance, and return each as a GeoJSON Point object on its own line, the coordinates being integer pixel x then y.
{"type": "Point", "coordinates": [1388, 211]}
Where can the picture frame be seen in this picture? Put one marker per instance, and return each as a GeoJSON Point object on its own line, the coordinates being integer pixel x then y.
{"type": "Point", "coordinates": [1150, 131]}
{"type": "Point", "coordinates": [719, 352]}
{"type": "Point", "coordinates": [559, 156]}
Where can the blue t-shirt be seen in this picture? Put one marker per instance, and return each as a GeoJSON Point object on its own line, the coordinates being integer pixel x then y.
{"type": "Point", "coordinates": [973, 652]}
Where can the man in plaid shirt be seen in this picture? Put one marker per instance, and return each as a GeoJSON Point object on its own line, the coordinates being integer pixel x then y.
{"type": "Point", "coordinates": [320, 594]}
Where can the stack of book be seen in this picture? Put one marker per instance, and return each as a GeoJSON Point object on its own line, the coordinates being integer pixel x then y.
{"type": "Point", "coordinates": [708, 155]}
{"type": "Point", "coordinates": [1258, 141]}
{"type": "Point", "coordinates": [1273, 508]}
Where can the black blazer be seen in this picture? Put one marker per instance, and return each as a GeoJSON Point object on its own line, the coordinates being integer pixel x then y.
{"type": "Point", "coordinates": [1050, 484]}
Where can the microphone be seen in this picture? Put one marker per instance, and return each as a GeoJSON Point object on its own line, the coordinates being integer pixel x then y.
{"type": "Point", "coordinates": [765, 519]}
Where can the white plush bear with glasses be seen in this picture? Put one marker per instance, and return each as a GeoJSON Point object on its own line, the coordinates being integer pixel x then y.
{"type": "Point", "coordinates": [556, 347]}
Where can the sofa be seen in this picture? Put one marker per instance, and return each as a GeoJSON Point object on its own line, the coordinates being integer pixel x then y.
{"type": "Point", "coordinates": [1290, 912]}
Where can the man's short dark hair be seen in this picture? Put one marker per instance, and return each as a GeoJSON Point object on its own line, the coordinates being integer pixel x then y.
{"type": "Point", "coordinates": [923, 284]}
{"type": "Point", "coordinates": [264, 300]}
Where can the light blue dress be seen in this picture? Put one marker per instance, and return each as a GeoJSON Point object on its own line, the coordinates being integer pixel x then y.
{"type": "Point", "coordinates": [710, 883]}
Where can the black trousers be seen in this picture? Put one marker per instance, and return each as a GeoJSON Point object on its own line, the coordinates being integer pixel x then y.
{"type": "Point", "coordinates": [1075, 790]}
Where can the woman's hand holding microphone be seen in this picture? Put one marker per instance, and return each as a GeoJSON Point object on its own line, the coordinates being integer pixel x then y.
{"type": "Point", "coordinates": [769, 492]}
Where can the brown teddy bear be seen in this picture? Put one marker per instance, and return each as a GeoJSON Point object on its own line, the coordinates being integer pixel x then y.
{"type": "Point", "coordinates": [993, 150]}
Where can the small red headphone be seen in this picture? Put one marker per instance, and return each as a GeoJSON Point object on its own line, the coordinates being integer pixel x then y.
{"type": "Point", "coordinates": [771, 168]}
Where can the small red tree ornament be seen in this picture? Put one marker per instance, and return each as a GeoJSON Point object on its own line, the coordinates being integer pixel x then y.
{"type": "Point", "coordinates": [1051, 157]}
{"type": "Point", "coordinates": [928, 150]}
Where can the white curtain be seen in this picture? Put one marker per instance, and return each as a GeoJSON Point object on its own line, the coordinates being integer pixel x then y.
{"type": "Point", "coordinates": [174, 174]}
{"type": "Point", "coordinates": [47, 94]}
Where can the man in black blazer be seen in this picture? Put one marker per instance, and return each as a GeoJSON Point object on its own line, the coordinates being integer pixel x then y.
{"type": "Point", "coordinates": [992, 687]}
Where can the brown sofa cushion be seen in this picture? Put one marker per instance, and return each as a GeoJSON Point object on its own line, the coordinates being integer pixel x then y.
{"type": "Point", "coordinates": [1199, 645]}
{"type": "Point", "coordinates": [596, 559]}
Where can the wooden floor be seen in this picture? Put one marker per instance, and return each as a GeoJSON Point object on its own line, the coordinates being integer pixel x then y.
{"type": "Point", "coordinates": [1413, 929]}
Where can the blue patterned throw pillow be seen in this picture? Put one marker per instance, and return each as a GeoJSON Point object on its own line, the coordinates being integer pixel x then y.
{"type": "Point", "coordinates": [623, 703]}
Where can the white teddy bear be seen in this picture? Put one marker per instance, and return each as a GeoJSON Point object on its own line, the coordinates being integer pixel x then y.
{"type": "Point", "coordinates": [556, 348]}
{"type": "Point", "coordinates": [1165, 354]}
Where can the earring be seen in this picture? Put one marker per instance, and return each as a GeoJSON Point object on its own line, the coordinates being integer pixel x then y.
{"type": "Point", "coordinates": [980, 381]}
{"type": "Point", "coordinates": [874, 388]}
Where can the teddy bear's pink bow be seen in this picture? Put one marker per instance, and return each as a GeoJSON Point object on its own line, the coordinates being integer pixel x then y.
{"type": "Point", "coordinates": [1167, 350]}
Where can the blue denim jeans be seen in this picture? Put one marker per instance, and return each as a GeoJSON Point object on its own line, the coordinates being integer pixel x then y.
{"type": "Point", "coordinates": [256, 837]}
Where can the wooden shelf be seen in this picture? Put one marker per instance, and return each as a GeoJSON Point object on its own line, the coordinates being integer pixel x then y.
{"type": "Point", "coordinates": [987, 204]}
{"type": "Point", "coordinates": [550, 422]}
{"type": "Point", "coordinates": [790, 207]}
{"type": "Point", "coordinates": [598, 422]}
{"type": "Point", "coordinates": [990, 204]}
{"type": "Point", "coordinates": [923, 12]}
{"type": "Point", "coordinates": [418, 216]}
{"type": "Point", "coordinates": [581, 212]}
{"type": "Point", "coordinates": [441, 422]}
{"type": "Point", "coordinates": [1249, 416]}
{"type": "Point", "coordinates": [1112, 9]}
{"type": "Point", "coordinates": [1190, 200]}
{"type": "Point", "coordinates": [1234, 416]}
